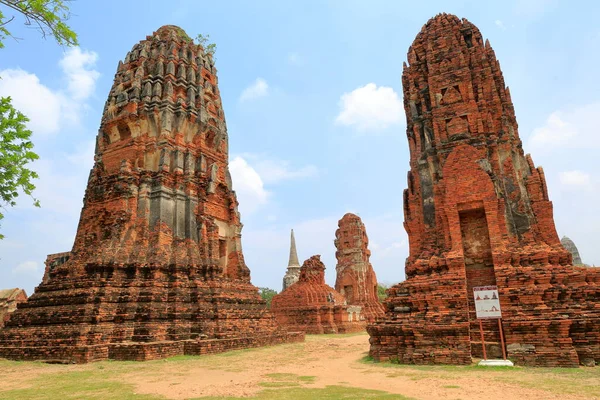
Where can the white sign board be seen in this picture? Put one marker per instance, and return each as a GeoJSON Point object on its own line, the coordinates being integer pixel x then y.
{"type": "Point", "coordinates": [487, 303]}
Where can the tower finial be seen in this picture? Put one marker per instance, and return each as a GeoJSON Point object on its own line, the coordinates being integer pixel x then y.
{"type": "Point", "coordinates": [293, 254]}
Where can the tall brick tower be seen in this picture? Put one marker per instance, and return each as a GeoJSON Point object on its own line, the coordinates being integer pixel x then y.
{"type": "Point", "coordinates": [356, 278]}
{"type": "Point", "coordinates": [157, 266]}
{"type": "Point", "coordinates": [477, 213]}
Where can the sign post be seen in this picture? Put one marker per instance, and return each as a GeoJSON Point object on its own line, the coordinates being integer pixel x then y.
{"type": "Point", "coordinates": [487, 306]}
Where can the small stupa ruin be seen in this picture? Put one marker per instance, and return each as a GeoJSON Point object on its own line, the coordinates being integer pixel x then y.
{"type": "Point", "coordinates": [312, 306]}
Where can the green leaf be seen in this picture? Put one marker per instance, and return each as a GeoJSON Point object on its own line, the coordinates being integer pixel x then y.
{"type": "Point", "coordinates": [47, 16]}
{"type": "Point", "coordinates": [15, 154]}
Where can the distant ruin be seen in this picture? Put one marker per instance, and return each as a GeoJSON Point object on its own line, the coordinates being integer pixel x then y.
{"type": "Point", "coordinates": [307, 304]}
{"type": "Point", "coordinates": [9, 299]}
{"type": "Point", "coordinates": [477, 213]}
{"type": "Point", "coordinates": [570, 246]}
{"type": "Point", "coordinates": [312, 306]}
{"type": "Point", "coordinates": [356, 279]}
{"type": "Point", "coordinates": [157, 268]}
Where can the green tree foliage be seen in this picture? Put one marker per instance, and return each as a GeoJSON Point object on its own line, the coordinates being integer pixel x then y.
{"type": "Point", "coordinates": [15, 153]}
{"type": "Point", "coordinates": [16, 148]}
{"type": "Point", "coordinates": [46, 16]}
{"type": "Point", "coordinates": [267, 294]}
{"type": "Point", "coordinates": [381, 294]}
{"type": "Point", "coordinates": [209, 48]}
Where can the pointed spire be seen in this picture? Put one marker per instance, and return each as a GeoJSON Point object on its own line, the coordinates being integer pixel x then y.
{"type": "Point", "coordinates": [293, 254]}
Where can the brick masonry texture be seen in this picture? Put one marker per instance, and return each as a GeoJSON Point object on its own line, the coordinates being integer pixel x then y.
{"type": "Point", "coordinates": [157, 267]}
{"type": "Point", "coordinates": [477, 212]}
{"type": "Point", "coordinates": [311, 306]}
{"type": "Point", "coordinates": [356, 278]}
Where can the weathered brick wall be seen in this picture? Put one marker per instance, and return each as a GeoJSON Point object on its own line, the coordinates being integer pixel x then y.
{"type": "Point", "coordinates": [157, 256]}
{"type": "Point", "coordinates": [311, 306]}
{"type": "Point", "coordinates": [477, 212]}
{"type": "Point", "coordinates": [356, 278]}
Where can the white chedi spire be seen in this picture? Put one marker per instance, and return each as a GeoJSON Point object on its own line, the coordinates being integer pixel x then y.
{"type": "Point", "coordinates": [293, 270]}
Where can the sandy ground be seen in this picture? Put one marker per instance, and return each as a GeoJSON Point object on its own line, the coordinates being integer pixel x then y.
{"type": "Point", "coordinates": [333, 361]}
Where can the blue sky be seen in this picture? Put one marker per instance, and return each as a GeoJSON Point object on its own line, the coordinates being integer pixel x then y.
{"type": "Point", "coordinates": [312, 97]}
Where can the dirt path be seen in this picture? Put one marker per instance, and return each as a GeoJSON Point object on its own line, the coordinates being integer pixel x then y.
{"type": "Point", "coordinates": [333, 361]}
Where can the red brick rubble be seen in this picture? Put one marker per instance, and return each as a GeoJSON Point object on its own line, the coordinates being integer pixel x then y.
{"type": "Point", "coordinates": [157, 267]}
{"type": "Point", "coordinates": [477, 213]}
{"type": "Point", "coordinates": [356, 278]}
{"type": "Point", "coordinates": [311, 306]}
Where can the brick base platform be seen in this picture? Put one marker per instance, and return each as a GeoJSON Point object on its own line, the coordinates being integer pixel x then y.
{"type": "Point", "coordinates": [551, 317]}
{"type": "Point", "coordinates": [143, 351]}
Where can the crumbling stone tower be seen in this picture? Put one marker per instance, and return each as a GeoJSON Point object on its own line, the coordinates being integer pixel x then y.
{"type": "Point", "coordinates": [356, 278]}
{"type": "Point", "coordinates": [157, 267]}
{"type": "Point", "coordinates": [477, 213]}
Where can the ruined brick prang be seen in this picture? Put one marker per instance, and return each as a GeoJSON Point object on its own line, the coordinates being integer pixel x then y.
{"type": "Point", "coordinates": [293, 270]}
{"type": "Point", "coordinates": [157, 267]}
{"type": "Point", "coordinates": [477, 213]}
{"type": "Point", "coordinates": [356, 278]}
{"type": "Point", "coordinates": [311, 306]}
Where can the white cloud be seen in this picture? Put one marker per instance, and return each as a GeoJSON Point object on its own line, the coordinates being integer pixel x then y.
{"type": "Point", "coordinates": [274, 171]}
{"type": "Point", "coordinates": [575, 178]}
{"type": "Point", "coordinates": [248, 185]}
{"type": "Point", "coordinates": [50, 110]}
{"type": "Point", "coordinates": [258, 89]}
{"type": "Point", "coordinates": [41, 105]}
{"type": "Point", "coordinates": [30, 268]}
{"type": "Point", "coordinates": [370, 108]}
{"type": "Point", "coordinates": [83, 156]}
{"type": "Point", "coordinates": [554, 133]}
{"type": "Point", "coordinates": [566, 145]}
{"type": "Point", "coordinates": [78, 66]}
{"type": "Point", "coordinates": [250, 174]}
{"type": "Point", "coordinates": [575, 127]}
{"type": "Point", "coordinates": [500, 24]}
